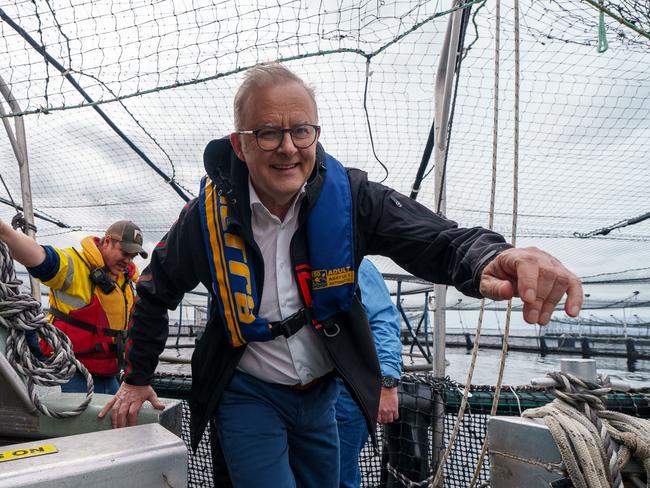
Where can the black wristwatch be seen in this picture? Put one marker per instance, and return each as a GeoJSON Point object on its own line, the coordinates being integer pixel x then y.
{"type": "Point", "coordinates": [389, 382]}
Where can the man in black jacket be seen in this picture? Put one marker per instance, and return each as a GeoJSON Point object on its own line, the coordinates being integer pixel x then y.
{"type": "Point", "coordinates": [277, 234]}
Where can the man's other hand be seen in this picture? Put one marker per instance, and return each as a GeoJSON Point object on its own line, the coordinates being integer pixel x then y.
{"type": "Point", "coordinates": [388, 406]}
{"type": "Point", "coordinates": [537, 278]}
{"type": "Point", "coordinates": [126, 404]}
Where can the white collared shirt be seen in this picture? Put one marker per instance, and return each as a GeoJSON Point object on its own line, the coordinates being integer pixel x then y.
{"type": "Point", "coordinates": [302, 357]}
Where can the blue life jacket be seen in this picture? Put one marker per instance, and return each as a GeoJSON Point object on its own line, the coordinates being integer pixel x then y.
{"type": "Point", "coordinates": [331, 258]}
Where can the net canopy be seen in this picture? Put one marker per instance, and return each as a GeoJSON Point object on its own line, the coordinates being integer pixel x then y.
{"type": "Point", "coordinates": [164, 73]}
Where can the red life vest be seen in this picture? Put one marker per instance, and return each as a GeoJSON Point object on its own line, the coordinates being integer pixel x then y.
{"type": "Point", "coordinates": [93, 316]}
{"type": "Point", "coordinates": [94, 343]}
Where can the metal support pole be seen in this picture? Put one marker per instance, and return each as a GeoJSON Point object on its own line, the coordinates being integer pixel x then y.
{"type": "Point", "coordinates": [19, 145]}
{"type": "Point", "coordinates": [443, 92]}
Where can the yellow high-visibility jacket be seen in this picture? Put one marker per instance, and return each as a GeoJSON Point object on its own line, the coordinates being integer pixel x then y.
{"type": "Point", "coordinates": [75, 298]}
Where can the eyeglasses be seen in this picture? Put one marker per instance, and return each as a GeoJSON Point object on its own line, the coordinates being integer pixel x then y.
{"type": "Point", "coordinates": [270, 138]}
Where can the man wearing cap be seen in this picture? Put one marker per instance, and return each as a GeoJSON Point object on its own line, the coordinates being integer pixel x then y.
{"type": "Point", "coordinates": [91, 295]}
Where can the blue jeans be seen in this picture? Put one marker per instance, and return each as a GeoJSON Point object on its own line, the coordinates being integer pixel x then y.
{"type": "Point", "coordinates": [353, 434]}
{"type": "Point", "coordinates": [103, 384]}
{"type": "Point", "coordinates": [272, 435]}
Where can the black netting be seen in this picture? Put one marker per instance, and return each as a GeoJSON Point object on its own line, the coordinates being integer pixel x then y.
{"type": "Point", "coordinates": [199, 471]}
{"type": "Point", "coordinates": [408, 446]}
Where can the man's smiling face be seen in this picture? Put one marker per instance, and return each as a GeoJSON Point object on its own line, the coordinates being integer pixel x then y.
{"type": "Point", "coordinates": [277, 175]}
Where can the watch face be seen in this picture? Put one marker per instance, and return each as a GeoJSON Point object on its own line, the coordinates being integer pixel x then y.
{"type": "Point", "coordinates": [389, 382]}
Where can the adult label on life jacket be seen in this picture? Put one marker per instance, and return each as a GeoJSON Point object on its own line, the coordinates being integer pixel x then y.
{"type": "Point", "coordinates": [26, 452]}
{"type": "Point", "coordinates": [326, 278]}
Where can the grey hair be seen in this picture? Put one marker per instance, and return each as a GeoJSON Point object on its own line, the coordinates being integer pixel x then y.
{"type": "Point", "coordinates": [264, 75]}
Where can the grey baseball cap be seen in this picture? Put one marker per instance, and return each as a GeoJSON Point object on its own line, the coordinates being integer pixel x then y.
{"type": "Point", "coordinates": [129, 236]}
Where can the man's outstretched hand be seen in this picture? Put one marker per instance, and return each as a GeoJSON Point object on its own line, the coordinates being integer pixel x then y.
{"type": "Point", "coordinates": [537, 278]}
{"type": "Point", "coordinates": [126, 404]}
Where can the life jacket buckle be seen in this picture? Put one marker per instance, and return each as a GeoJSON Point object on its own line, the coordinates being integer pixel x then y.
{"type": "Point", "coordinates": [285, 328]}
{"type": "Point", "coordinates": [291, 324]}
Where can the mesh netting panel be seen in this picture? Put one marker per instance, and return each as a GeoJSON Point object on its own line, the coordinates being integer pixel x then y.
{"type": "Point", "coordinates": [199, 469]}
{"type": "Point", "coordinates": [165, 73]}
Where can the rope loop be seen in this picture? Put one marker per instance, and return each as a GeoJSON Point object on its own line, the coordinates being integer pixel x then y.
{"type": "Point", "coordinates": [577, 392]}
{"type": "Point", "coordinates": [595, 443]}
{"type": "Point", "coordinates": [21, 314]}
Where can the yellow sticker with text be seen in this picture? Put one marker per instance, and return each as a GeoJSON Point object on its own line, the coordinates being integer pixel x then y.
{"type": "Point", "coordinates": [326, 278]}
{"type": "Point", "coordinates": [25, 452]}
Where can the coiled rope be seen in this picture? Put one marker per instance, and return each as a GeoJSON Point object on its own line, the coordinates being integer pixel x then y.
{"type": "Point", "coordinates": [588, 435]}
{"type": "Point", "coordinates": [20, 313]}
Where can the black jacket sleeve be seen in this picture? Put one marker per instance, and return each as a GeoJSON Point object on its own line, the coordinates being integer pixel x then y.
{"type": "Point", "coordinates": [422, 242]}
{"type": "Point", "coordinates": [178, 264]}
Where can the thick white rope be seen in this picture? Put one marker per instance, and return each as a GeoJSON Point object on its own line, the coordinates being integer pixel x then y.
{"type": "Point", "coordinates": [595, 443]}
{"type": "Point", "coordinates": [633, 434]}
{"type": "Point", "coordinates": [19, 313]}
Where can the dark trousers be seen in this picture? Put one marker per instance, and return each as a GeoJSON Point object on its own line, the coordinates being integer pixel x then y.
{"type": "Point", "coordinates": [273, 435]}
